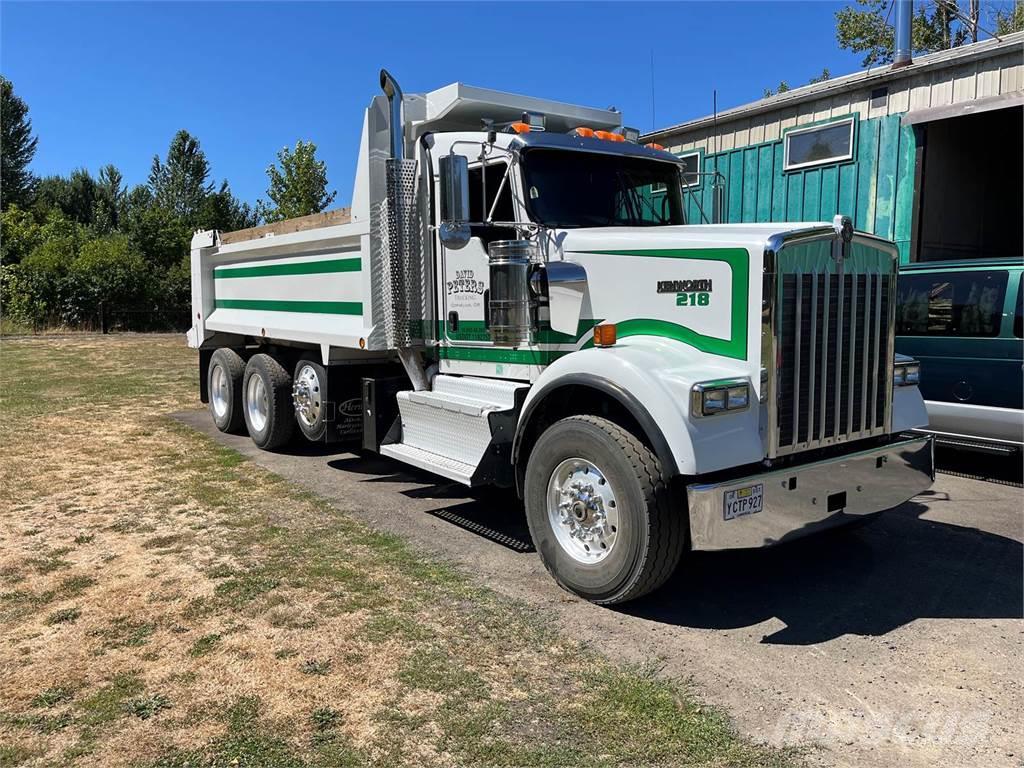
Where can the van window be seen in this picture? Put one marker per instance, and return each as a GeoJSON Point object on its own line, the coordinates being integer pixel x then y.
{"type": "Point", "coordinates": [951, 303]}
{"type": "Point", "coordinates": [1018, 315]}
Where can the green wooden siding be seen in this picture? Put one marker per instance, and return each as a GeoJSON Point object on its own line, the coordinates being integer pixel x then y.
{"type": "Point", "coordinates": [876, 189]}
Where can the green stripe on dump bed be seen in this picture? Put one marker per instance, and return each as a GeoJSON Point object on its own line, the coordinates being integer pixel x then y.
{"type": "Point", "coordinates": [325, 266]}
{"type": "Point", "coordinates": [317, 307]}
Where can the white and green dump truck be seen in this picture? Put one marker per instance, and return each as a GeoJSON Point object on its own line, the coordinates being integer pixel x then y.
{"type": "Point", "coordinates": [515, 298]}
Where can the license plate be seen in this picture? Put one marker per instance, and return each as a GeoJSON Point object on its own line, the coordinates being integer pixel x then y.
{"type": "Point", "coordinates": [744, 501]}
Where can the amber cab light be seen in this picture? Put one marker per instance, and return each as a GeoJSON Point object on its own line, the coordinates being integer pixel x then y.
{"type": "Point", "coordinates": [609, 136]}
{"type": "Point", "coordinates": [604, 335]}
{"type": "Point", "coordinates": [652, 145]}
{"type": "Point", "coordinates": [584, 132]}
{"type": "Point", "coordinates": [520, 127]}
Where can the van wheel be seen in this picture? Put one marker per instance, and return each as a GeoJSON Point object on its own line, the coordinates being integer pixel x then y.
{"type": "Point", "coordinates": [308, 392]}
{"type": "Point", "coordinates": [224, 385]}
{"type": "Point", "coordinates": [599, 511]}
{"type": "Point", "coordinates": [267, 393]}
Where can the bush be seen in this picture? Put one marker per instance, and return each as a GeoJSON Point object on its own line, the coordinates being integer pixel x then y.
{"type": "Point", "coordinates": [107, 273]}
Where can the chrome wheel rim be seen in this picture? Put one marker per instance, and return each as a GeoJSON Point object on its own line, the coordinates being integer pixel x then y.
{"type": "Point", "coordinates": [307, 396]}
{"type": "Point", "coordinates": [256, 404]}
{"type": "Point", "coordinates": [582, 510]}
{"type": "Point", "coordinates": [219, 391]}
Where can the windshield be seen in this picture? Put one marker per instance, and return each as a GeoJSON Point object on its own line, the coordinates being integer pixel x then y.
{"type": "Point", "coordinates": [566, 189]}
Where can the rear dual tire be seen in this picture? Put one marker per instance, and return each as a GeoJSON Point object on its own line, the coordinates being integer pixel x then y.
{"type": "Point", "coordinates": [267, 402]}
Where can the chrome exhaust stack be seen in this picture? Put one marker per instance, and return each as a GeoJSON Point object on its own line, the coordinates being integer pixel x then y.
{"type": "Point", "coordinates": [389, 85]}
{"type": "Point", "coordinates": [399, 231]}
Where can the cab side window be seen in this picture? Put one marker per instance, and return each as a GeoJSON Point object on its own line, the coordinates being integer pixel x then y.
{"type": "Point", "coordinates": [951, 303]}
{"type": "Point", "coordinates": [479, 206]}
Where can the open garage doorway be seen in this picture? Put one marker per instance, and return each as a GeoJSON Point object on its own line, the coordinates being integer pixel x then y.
{"type": "Point", "coordinates": [970, 188]}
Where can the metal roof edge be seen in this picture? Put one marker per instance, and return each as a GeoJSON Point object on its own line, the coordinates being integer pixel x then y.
{"type": "Point", "coordinates": [846, 83]}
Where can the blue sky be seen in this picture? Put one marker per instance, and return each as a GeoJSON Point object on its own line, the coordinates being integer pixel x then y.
{"type": "Point", "coordinates": [112, 82]}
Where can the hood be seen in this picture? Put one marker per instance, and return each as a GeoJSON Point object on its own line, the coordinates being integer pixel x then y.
{"type": "Point", "coordinates": [750, 236]}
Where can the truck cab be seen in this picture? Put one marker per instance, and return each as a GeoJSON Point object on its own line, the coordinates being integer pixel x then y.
{"type": "Point", "coordinates": [517, 299]}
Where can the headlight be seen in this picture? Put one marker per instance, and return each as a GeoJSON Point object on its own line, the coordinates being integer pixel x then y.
{"type": "Point", "coordinates": [906, 374]}
{"type": "Point", "coordinates": [723, 396]}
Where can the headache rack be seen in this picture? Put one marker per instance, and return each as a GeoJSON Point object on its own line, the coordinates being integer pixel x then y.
{"type": "Point", "coordinates": [829, 324]}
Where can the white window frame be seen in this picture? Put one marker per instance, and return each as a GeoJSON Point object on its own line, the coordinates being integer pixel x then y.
{"type": "Point", "coordinates": [683, 156]}
{"type": "Point", "coordinates": [787, 166]}
{"type": "Point", "coordinates": [656, 188]}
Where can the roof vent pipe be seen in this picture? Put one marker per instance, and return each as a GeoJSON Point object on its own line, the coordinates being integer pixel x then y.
{"type": "Point", "coordinates": [390, 87]}
{"type": "Point", "coordinates": [904, 24]}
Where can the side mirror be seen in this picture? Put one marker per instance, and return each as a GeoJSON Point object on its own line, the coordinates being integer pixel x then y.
{"type": "Point", "coordinates": [454, 231]}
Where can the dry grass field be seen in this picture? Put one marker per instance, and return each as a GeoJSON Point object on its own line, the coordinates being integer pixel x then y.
{"type": "Point", "coordinates": [163, 602]}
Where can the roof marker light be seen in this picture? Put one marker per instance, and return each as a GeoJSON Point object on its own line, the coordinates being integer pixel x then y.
{"type": "Point", "coordinates": [518, 128]}
{"type": "Point", "coordinates": [652, 145]}
{"type": "Point", "coordinates": [609, 136]}
{"type": "Point", "coordinates": [583, 131]}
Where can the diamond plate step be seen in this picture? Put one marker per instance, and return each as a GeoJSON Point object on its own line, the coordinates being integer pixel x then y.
{"type": "Point", "coordinates": [432, 462]}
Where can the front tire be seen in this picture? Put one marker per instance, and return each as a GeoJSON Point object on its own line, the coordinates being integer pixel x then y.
{"type": "Point", "coordinates": [599, 511]}
{"type": "Point", "coordinates": [267, 394]}
{"type": "Point", "coordinates": [224, 387]}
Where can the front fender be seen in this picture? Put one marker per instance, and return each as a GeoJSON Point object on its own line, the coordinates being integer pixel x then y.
{"type": "Point", "coordinates": [655, 376]}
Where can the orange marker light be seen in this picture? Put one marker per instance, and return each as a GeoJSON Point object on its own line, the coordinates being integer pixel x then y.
{"type": "Point", "coordinates": [652, 145]}
{"type": "Point", "coordinates": [604, 335]}
{"type": "Point", "coordinates": [520, 127]}
{"type": "Point", "coordinates": [609, 136]}
{"type": "Point", "coordinates": [584, 132]}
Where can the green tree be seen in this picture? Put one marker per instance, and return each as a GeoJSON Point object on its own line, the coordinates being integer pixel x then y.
{"type": "Point", "coordinates": [107, 275]}
{"type": "Point", "coordinates": [299, 186]}
{"type": "Point", "coordinates": [74, 196]}
{"type": "Point", "coordinates": [781, 88]}
{"type": "Point", "coordinates": [180, 182]}
{"type": "Point", "coordinates": [20, 234]}
{"type": "Point", "coordinates": [825, 75]}
{"type": "Point", "coordinates": [222, 210]}
{"type": "Point", "coordinates": [17, 148]}
{"type": "Point", "coordinates": [1008, 21]}
{"type": "Point", "coordinates": [109, 195]}
{"type": "Point", "coordinates": [868, 29]}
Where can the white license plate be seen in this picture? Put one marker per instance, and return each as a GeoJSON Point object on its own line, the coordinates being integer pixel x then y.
{"type": "Point", "coordinates": [744, 501]}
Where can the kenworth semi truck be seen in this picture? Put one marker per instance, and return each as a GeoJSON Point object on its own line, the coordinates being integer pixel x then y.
{"type": "Point", "coordinates": [515, 298]}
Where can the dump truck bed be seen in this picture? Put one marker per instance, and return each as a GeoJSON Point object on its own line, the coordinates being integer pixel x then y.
{"type": "Point", "coordinates": [302, 280]}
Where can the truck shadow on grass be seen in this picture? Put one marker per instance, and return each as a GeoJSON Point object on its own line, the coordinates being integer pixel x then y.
{"type": "Point", "coordinates": [494, 514]}
{"type": "Point", "coordinates": [863, 581]}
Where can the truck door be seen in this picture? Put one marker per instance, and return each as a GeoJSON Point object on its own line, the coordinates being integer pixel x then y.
{"type": "Point", "coordinates": [465, 275]}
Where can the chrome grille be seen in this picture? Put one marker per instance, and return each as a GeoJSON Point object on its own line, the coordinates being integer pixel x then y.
{"type": "Point", "coordinates": [834, 357]}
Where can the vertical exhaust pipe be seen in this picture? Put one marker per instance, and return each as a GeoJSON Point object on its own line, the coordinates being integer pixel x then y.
{"type": "Point", "coordinates": [904, 25]}
{"type": "Point", "coordinates": [389, 85]}
{"type": "Point", "coordinates": [399, 235]}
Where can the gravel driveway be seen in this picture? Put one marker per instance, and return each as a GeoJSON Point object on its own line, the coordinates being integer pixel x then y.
{"type": "Point", "coordinates": [896, 644]}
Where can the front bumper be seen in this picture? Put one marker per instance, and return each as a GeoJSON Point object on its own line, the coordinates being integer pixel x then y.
{"type": "Point", "coordinates": [809, 498]}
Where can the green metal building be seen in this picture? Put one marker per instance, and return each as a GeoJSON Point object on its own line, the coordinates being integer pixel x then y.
{"type": "Point", "coordinates": [930, 155]}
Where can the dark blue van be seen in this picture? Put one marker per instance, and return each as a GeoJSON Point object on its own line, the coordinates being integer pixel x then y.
{"type": "Point", "coordinates": [963, 321]}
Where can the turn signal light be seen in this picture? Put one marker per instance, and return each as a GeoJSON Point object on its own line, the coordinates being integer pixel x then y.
{"type": "Point", "coordinates": [652, 145]}
{"type": "Point", "coordinates": [609, 136]}
{"type": "Point", "coordinates": [584, 132]}
{"type": "Point", "coordinates": [604, 335]}
{"type": "Point", "coordinates": [520, 127]}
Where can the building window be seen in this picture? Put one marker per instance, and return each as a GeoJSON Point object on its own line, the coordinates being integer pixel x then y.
{"type": "Point", "coordinates": [691, 173]}
{"type": "Point", "coordinates": [819, 144]}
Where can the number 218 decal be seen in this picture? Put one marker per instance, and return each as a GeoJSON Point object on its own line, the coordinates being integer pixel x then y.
{"type": "Point", "coordinates": [693, 299]}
